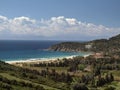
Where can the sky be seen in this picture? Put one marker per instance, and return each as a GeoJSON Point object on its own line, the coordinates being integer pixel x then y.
{"type": "Point", "coordinates": [59, 19]}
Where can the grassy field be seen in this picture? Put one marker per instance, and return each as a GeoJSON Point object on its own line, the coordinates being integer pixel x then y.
{"type": "Point", "coordinates": [58, 69]}
{"type": "Point", "coordinates": [10, 77]}
{"type": "Point", "coordinates": [115, 84]}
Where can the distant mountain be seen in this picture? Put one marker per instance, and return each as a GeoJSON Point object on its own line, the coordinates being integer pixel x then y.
{"type": "Point", "coordinates": [101, 45]}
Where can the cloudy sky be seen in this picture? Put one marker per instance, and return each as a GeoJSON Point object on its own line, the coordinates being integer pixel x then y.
{"type": "Point", "coordinates": [59, 20]}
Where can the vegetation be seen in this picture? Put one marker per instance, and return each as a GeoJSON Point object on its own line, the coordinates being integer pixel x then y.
{"type": "Point", "coordinates": [112, 45]}
{"type": "Point", "coordinates": [89, 72]}
{"type": "Point", "coordinates": [95, 72]}
{"type": "Point", "coordinates": [17, 78]}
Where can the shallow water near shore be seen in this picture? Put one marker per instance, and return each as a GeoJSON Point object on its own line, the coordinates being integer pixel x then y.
{"type": "Point", "coordinates": [31, 50]}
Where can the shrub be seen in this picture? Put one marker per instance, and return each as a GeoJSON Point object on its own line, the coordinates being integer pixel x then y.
{"type": "Point", "coordinates": [80, 87]}
{"type": "Point", "coordinates": [110, 88]}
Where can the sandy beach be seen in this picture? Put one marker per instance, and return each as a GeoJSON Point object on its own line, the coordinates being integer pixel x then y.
{"type": "Point", "coordinates": [39, 60]}
{"type": "Point", "coordinates": [47, 60]}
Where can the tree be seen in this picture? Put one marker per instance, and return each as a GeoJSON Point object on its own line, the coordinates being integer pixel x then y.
{"type": "Point", "coordinates": [111, 77]}
{"type": "Point", "coordinates": [83, 79]}
{"type": "Point", "coordinates": [110, 88]}
{"type": "Point", "coordinates": [24, 74]}
{"type": "Point", "coordinates": [97, 71]}
{"type": "Point", "coordinates": [80, 87]}
{"type": "Point", "coordinates": [93, 82]}
{"type": "Point", "coordinates": [107, 78]}
{"type": "Point", "coordinates": [68, 78]}
{"type": "Point", "coordinates": [101, 81]}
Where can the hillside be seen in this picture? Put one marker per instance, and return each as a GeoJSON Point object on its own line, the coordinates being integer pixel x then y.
{"type": "Point", "coordinates": [102, 45]}
{"type": "Point", "coordinates": [17, 78]}
{"type": "Point", "coordinates": [68, 46]}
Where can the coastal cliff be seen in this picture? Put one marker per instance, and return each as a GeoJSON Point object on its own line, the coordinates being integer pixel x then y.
{"type": "Point", "coordinates": [104, 45]}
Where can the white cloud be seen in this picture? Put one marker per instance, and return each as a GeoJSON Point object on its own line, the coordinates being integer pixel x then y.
{"type": "Point", "coordinates": [54, 28]}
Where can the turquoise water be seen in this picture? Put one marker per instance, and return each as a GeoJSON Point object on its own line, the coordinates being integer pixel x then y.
{"type": "Point", "coordinates": [30, 50]}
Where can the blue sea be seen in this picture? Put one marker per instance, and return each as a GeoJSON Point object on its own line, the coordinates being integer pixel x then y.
{"type": "Point", "coordinates": [17, 50]}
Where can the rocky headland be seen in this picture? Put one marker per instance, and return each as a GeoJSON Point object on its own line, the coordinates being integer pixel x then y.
{"type": "Point", "coordinates": [111, 45]}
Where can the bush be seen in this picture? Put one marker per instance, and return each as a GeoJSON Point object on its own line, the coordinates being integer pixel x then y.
{"type": "Point", "coordinates": [5, 86]}
{"type": "Point", "coordinates": [80, 87]}
{"type": "Point", "coordinates": [110, 88]}
{"type": "Point", "coordinates": [81, 67]}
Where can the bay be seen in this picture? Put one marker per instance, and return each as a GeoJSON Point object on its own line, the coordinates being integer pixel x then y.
{"type": "Point", "coordinates": [16, 50]}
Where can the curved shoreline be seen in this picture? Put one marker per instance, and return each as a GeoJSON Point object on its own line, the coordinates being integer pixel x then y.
{"type": "Point", "coordinates": [38, 60]}
{"type": "Point", "coordinates": [43, 60]}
